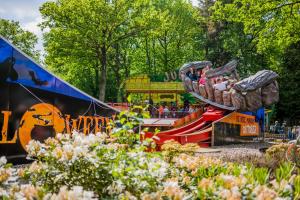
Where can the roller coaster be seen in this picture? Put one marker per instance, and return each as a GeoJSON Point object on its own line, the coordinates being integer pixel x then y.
{"type": "Point", "coordinates": [233, 115]}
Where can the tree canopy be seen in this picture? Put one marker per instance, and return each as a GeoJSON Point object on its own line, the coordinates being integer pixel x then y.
{"type": "Point", "coordinates": [271, 24]}
{"type": "Point", "coordinates": [272, 29]}
{"type": "Point", "coordinates": [96, 45]}
{"type": "Point", "coordinates": [84, 33]}
{"type": "Point", "coordinates": [24, 40]}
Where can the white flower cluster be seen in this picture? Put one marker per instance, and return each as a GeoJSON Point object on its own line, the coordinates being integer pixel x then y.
{"type": "Point", "coordinates": [76, 193]}
{"type": "Point", "coordinates": [30, 192]}
{"type": "Point", "coordinates": [67, 147]}
{"type": "Point", "coordinates": [118, 171]}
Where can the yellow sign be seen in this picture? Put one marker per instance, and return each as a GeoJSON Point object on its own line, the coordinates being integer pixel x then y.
{"type": "Point", "coordinates": [247, 123]}
{"type": "Point", "coordinates": [142, 84]}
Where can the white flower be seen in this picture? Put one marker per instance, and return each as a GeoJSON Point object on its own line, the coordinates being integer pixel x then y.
{"type": "Point", "coordinates": [116, 187]}
{"type": "Point", "coordinates": [34, 147]}
{"type": "Point", "coordinates": [59, 136]}
{"type": "Point", "coordinates": [76, 193]}
{"type": "Point", "coordinates": [3, 193]}
{"type": "Point", "coordinates": [2, 160]}
{"type": "Point", "coordinates": [77, 189]}
{"type": "Point", "coordinates": [170, 184]}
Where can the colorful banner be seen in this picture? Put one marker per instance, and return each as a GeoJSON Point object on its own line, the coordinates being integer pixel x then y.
{"type": "Point", "coordinates": [35, 104]}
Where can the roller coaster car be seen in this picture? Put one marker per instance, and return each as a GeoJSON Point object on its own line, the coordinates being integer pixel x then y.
{"type": "Point", "coordinates": [221, 87]}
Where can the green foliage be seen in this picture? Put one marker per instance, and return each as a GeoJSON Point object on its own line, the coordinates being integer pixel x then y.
{"type": "Point", "coordinates": [187, 97]}
{"type": "Point", "coordinates": [274, 25]}
{"type": "Point", "coordinates": [284, 171]}
{"type": "Point", "coordinates": [84, 35]}
{"type": "Point", "coordinates": [204, 172]}
{"type": "Point", "coordinates": [261, 175]}
{"type": "Point", "coordinates": [90, 44]}
{"type": "Point", "coordinates": [127, 128]}
{"type": "Point", "coordinates": [297, 187]}
{"type": "Point", "coordinates": [289, 104]}
{"type": "Point", "coordinates": [172, 43]}
{"type": "Point", "coordinates": [24, 40]}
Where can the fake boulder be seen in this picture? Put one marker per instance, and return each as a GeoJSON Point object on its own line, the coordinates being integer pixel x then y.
{"type": "Point", "coordinates": [256, 81]}
{"type": "Point", "coordinates": [270, 93]}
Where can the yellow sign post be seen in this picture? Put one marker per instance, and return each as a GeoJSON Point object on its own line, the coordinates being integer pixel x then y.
{"type": "Point", "coordinates": [157, 91]}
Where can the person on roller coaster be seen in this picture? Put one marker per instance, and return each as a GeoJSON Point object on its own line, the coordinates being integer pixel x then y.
{"type": "Point", "coordinates": [192, 74]}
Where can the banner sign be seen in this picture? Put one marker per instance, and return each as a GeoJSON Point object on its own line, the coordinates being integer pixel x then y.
{"type": "Point", "coordinates": [235, 128]}
{"type": "Point", "coordinates": [36, 104]}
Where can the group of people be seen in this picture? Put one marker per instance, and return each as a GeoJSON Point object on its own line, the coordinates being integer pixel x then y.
{"type": "Point", "coordinates": [198, 75]}
{"type": "Point", "coordinates": [292, 132]}
{"type": "Point", "coordinates": [217, 88]}
{"type": "Point", "coordinates": [220, 83]}
{"type": "Point", "coordinates": [171, 110]}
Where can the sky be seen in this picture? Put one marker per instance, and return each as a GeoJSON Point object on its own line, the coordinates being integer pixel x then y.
{"type": "Point", "coordinates": [27, 13]}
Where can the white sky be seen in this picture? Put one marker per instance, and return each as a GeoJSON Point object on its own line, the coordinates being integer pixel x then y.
{"type": "Point", "coordinates": [27, 13]}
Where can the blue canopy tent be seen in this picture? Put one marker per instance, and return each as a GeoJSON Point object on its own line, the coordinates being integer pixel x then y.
{"type": "Point", "coordinates": [36, 104]}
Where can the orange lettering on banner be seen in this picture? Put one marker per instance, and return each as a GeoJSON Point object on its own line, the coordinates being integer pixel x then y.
{"type": "Point", "coordinates": [47, 115]}
{"type": "Point", "coordinates": [68, 124]}
{"type": "Point", "coordinates": [6, 115]}
{"type": "Point", "coordinates": [97, 128]}
{"type": "Point", "coordinates": [74, 125]}
{"type": "Point", "coordinates": [108, 128]}
{"type": "Point", "coordinates": [86, 124]}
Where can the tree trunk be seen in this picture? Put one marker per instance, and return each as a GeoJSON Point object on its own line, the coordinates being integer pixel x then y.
{"type": "Point", "coordinates": [166, 51]}
{"type": "Point", "coordinates": [154, 61]}
{"type": "Point", "coordinates": [102, 79]}
{"type": "Point", "coordinates": [117, 71]}
{"type": "Point", "coordinates": [96, 86]}
{"type": "Point", "coordinates": [148, 55]}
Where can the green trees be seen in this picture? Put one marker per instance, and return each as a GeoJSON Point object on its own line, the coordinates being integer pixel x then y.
{"type": "Point", "coordinates": [24, 40]}
{"type": "Point", "coordinates": [273, 31]}
{"type": "Point", "coordinates": [93, 42]}
{"type": "Point", "coordinates": [83, 34]}
{"type": "Point", "coordinates": [97, 44]}
{"type": "Point", "coordinates": [223, 40]}
{"type": "Point", "coordinates": [274, 25]}
{"type": "Point", "coordinates": [289, 104]}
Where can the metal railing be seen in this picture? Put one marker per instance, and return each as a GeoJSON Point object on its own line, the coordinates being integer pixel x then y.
{"type": "Point", "coordinates": [170, 114]}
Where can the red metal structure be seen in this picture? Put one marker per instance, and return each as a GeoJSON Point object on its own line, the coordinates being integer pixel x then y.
{"type": "Point", "coordinates": [198, 131]}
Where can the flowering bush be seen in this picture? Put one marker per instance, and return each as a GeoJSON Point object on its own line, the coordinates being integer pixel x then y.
{"type": "Point", "coordinates": [118, 171]}
{"type": "Point", "coordinates": [82, 166]}
{"type": "Point", "coordinates": [285, 152]}
{"type": "Point", "coordinates": [109, 169]}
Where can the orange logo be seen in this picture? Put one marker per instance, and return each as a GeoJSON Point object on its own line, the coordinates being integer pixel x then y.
{"type": "Point", "coordinates": [40, 122]}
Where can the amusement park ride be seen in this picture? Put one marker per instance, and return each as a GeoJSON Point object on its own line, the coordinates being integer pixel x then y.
{"type": "Point", "coordinates": [35, 104]}
{"type": "Point", "coordinates": [231, 116]}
